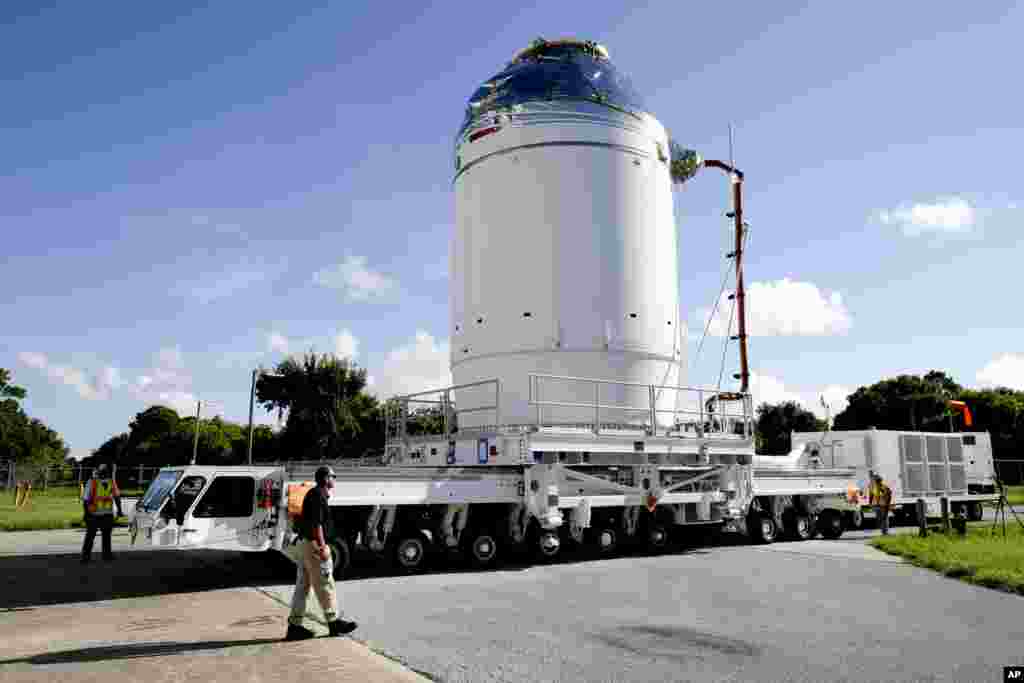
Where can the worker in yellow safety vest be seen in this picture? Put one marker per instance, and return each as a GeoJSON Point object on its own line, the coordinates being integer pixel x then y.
{"type": "Point", "coordinates": [98, 499]}
{"type": "Point", "coordinates": [880, 495]}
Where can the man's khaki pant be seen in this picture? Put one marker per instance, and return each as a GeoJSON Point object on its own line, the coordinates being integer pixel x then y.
{"type": "Point", "coordinates": [316, 574]}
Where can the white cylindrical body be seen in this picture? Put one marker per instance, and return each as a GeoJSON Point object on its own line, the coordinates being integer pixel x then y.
{"type": "Point", "coordinates": [564, 262]}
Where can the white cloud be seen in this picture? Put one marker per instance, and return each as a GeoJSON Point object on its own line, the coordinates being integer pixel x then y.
{"type": "Point", "coordinates": [357, 281]}
{"type": "Point", "coordinates": [33, 359]}
{"type": "Point", "coordinates": [167, 383]}
{"type": "Point", "coordinates": [420, 365]}
{"type": "Point", "coordinates": [343, 344]}
{"type": "Point", "coordinates": [769, 389]}
{"type": "Point", "coordinates": [98, 388]}
{"type": "Point", "coordinates": [346, 345]}
{"type": "Point", "coordinates": [278, 343]}
{"type": "Point", "coordinates": [1006, 370]}
{"type": "Point", "coordinates": [948, 215]}
{"type": "Point", "coordinates": [783, 308]}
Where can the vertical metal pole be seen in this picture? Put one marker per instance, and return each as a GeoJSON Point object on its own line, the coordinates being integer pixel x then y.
{"type": "Point", "coordinates": [922, 519]}
{"type": "Point", "coordinates": [944, 501]}
{"type": "Point", "coordinates": [444, 413]}
{"type": "Point", "coordinates": [737, 200]}
{"type": "Point", "coordinates": [652, 402]}
{"type": "Point", "coordinates": [537, 398]}
{"type": "Point", "coordinates": [252, 400]}
{"type": "Point", "coordinates": [597, 407]}
{"type": "Point", "coordinates": [700, 407]}
{"type": "Point", "coordinates": [195, 443]}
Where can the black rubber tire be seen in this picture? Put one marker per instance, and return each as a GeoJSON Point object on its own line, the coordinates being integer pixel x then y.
{"type": "Point", "coordinates": [547, 545]}
{"type": "Point", "coordinates": [404, 557]}
{"type": "Point", "coordinates": [762, 527]}
{"type": "Point", "coordinates": [800, 527]}
{"type": "Point", "coordinates": [341, 557]}
{"type": "Point", "coordinates": [830, 524]}
{"type": "Point", "coordinates": [656, 539]}
{"type": "Point", "coordinates": [853, 519]}
{"type": "Point", "coordinates": [975, 511]}
{"type": "Point", "coordinates": [476, 542]}
{"type": "Point", "coordinates": [603, 541]}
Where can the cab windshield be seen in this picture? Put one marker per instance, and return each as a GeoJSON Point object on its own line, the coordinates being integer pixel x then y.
{"type": "Point", "coordinates": [158, 490]}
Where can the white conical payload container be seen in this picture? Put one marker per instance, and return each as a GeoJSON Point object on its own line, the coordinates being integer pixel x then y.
{"type": "Point", "coordinates": [564, 255]}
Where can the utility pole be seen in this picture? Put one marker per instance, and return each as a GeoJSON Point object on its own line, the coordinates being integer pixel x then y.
{"type": "Point", "coordinates": [195, 443]}
{"type": "Point", "coordinates": [252, 400]}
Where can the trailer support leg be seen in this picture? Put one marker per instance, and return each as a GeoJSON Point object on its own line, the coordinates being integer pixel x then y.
{"type": "Point", "coordinates": [579, 520]}
{"type": "Point", "coordinates": [454, 523]}
{"type": "Point", "coordinates": [378, 527]}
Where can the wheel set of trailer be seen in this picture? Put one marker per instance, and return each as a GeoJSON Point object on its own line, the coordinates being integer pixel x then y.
{"type": "Point", "coordinates": [485, 544]}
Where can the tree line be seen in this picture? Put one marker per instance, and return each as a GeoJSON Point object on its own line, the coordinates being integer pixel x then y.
{"type": "Point", "coordinates": [329, 415]}
{"type": "Point", "coordinates": [906, 402]}
{"type": "Point", "coordinates": [25, 439]}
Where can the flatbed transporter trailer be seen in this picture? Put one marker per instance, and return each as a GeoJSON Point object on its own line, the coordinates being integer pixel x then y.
{"type": "Point", "coordinates": [527, 489]}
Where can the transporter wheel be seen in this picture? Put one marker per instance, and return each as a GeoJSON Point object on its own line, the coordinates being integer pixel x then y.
{"type": "Point", "coordinates": [854, 519]}
{"type": "Point", "coordinates": [410, 552]}
{"type": "Point", "coordinates": [547, 545]}
{"type": "Point", "coordinates": [762, 527]}
{"type": "Point", "coordinates": [975, 512]}
{"type": "Point", "coordinates": [341, 557]}
{"type": "Point", "coordinates": [800, 527]}
{"type": "Point", "coordinates": [482, 549]}
{"type": "Point", "coordinates": [656, 539]}
{"type": "Point", "coordinates": [604, 540]}
{"type": "Point", "coordinates": [830, 523]}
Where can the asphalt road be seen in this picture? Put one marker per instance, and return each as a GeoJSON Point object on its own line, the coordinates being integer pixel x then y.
{"type": "Point", "coordinates": [812, 611]}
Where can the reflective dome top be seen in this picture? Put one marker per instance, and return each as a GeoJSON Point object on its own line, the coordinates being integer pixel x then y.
{"type": "Point", "coordinates": [551, 70]}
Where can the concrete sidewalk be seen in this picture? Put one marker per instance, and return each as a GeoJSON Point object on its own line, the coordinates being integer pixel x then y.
{"type": "Point", "coordinates": [226, 635]}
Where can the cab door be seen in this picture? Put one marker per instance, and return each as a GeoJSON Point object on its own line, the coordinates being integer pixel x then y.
{"type": "Point", "coordinates": [226, 516]}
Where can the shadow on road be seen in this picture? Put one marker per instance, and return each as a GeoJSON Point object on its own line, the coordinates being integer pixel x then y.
{"type": "Point", "coordinates": [53, 579]}
{"type": "Point", "coordinates": [106, 653]}
{"type": "Point", "coordinates": [35, 580]}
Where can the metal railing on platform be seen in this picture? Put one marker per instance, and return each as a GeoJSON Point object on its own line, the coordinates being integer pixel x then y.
{"type": "Point", "coordinates": [725, 421]}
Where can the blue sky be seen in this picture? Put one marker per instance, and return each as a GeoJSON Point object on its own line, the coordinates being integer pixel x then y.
{"type": "Point", "coordinates": [187, 190]}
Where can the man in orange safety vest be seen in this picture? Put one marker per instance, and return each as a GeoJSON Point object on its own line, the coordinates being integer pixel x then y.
{"type": "Point", "coordinates": [98, 499]}
{"type": "Point", "coordinates": [881, 498]}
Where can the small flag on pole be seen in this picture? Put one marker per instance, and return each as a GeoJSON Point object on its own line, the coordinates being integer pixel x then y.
{"type": "Point", "coordinates": [962, 407]}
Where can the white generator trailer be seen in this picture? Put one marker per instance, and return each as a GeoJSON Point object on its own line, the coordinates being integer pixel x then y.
{"type": "Point", "coordinates": [927, 465]}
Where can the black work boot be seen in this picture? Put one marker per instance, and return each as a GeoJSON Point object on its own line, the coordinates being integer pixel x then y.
{"type": "Point", "coordinates": [340, 627]}
{"type": "Point", "coordinates": [298, 633]}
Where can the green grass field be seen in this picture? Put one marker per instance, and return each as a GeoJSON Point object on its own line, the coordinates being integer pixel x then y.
{"type": "Point", "coordinates": [55, 508]}
{"type": "Point", "coordinates": [981, 557]}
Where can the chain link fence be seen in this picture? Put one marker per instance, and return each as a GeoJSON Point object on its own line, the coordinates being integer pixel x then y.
{"type": "Point", "coordinates": [71, 477]}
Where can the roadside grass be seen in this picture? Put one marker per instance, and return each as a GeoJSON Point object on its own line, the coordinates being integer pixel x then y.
{"type": "Point", "coordinates": [982, 557]}
{"type": "Point", "coordinates": [54, 508]}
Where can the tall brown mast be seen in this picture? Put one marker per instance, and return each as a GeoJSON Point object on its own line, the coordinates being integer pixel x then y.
{"type": "Point", "coordinates": [737, 215]}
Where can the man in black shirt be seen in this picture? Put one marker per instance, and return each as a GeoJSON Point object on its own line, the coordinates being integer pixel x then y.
{"type": "Point", "coordinates": [316, 568]}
